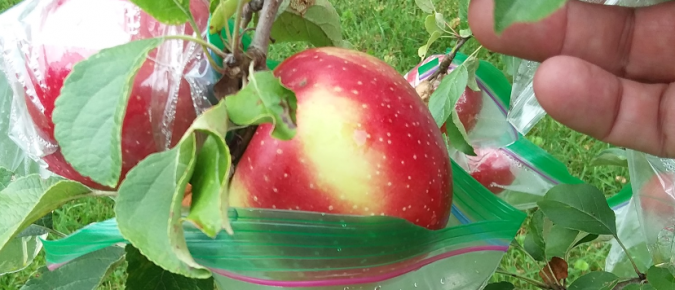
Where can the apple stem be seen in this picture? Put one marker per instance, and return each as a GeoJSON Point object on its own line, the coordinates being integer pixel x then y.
{"type": "Point", "coordinates": [235, 36]}
{"type": "Point", "coordinates": [445, 64]}
{"type": "Point", "coordinates": [261, 40]}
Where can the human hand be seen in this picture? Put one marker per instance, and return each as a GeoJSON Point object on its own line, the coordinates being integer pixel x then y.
{"type": "Point", "coordinates": [606, 71]}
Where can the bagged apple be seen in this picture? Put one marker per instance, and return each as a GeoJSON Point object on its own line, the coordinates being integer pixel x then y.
{"type": "Point", "coordinates": [284, 249]}
{"type": "Point", "coordinates": [520, 173]}
{"type": "Point", "coordinates": [483, 113]}
{"type": "Point", "coordinates": [41, 41]}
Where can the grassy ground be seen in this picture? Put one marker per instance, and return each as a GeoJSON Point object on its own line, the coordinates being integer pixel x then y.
{"type": "Point", "coordinates": [392, 31]}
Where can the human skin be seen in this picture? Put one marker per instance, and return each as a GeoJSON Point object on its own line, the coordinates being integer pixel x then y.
{"type": "Point", "coordinates": [606, 70]}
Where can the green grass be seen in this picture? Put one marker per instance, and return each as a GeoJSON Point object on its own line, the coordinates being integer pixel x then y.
{"type": "Point", "coordinates": [392, 31]}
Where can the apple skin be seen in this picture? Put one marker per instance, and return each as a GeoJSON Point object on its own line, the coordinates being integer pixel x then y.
{"type": "Point", "coordinates": [366, 144]}
{"type": "Point", "coordinates": [491, 167]}
{"type": "Point", "coordinates": [66, 36]}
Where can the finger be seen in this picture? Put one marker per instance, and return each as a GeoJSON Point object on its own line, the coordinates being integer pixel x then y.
{"type": "Point", "coordinates": [622, 112]}
{"type": "Point", "coordinates": [633, 43]}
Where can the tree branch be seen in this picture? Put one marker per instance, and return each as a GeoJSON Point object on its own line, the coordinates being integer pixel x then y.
{"type": "Point", "coordinates": [625, 284]}
{"type": "Point", "coordinates": [261, 40]}
{"type": "Point", "coordinates": [445, 64]}
{"type": "Point", "coordinates": [250, 8]}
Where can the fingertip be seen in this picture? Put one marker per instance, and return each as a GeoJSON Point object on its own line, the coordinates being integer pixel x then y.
{"type": "Point", "coordinates": [577, 94]}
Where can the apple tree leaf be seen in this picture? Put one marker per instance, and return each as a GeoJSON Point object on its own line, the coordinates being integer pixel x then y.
{"type": "Point", "coordinates": [500, 286]}
{"type": "Point", "coordinates": [464, 10]}
{"type": "Point", "coordinates": [148, 208]}
{"type": "Point", "coordinates": [555, 270]}
{"type": "Point", "coordinates": [443, 102]}
{"type": "Point", "coordinates": [222, 13]}
{"type": "Point", "coordinates": [315, 21]}
{"type": "Point", "coordinates": [424, 49]}
{"type": "Point", "coordinates": [534, 242]}
{"type": "Point", "coordinates": [472, 64]}
{"type": "Point", "coordinates": [21, 250]}
{"type": "Point", "coordinates": [581, 207]}
{"type": "Point", "coordinates": [5, 177]}
{"type": "Point", "coordinates": [611, 157]}
{"type": "Point", "coordinates": [84, 273]}
{"type": "Point", "coordinates": [88, 126]}
{"type": "Point", "coordinates": [426, 5]}
{"type": "Point", "coordinates": [431, 25]}
{"type": "Point", "coordinates": [209, 205]}
{"type": "Point", "coordinates": [639, 287]}
{"type": "Point", "coordinates": [660, 278]}
{"type": "Point", "coordinates": [596, 280]}
{"type": "Point", "coordinates": [29, 198]}
{"type": "Point", "coordinates": [265, 100]}
{"type": "Point", "coordinates": [142, 274]}
{"type": "Point", "coordinates": [559, 241]}
{"type": "Point", "coordinates": [508, 12]}
{"type": "Point", "coordinates": [171, 12]}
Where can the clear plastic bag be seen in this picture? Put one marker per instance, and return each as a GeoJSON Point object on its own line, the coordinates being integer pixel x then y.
{"type": "Point", "coordinates": [520, 173]}
{"type": "Point", "coordinates": [485, 113]}
{"type": "Point", "coordinates": [40, 41]}
{"type": "Point", "coordinates": [309, 250]}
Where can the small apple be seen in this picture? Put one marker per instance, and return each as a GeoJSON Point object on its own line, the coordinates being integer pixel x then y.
{"type": "Point", "coordinates": [71, 31]}
{"type": "Point", "coordinates": [491, 168]}
{"type": "Point", "coordinates": [365, 145]}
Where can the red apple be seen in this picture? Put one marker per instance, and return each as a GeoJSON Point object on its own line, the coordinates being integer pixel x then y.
{"type": "Point", "coordinates": [492, 168]}
{"type": "Point", "coordinates": [72, 30]}
{"type": "Point", "coordinates": [365, 145]}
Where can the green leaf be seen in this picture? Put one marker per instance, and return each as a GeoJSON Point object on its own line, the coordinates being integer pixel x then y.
{"type": "Point", "coordinates": [500, 286]}
{"type": "Point", "coordinates": [464, 10]}
{"type": "Point", "coordinates": [430, 25]}
{"type": "Point", "coordinates": [458, 136]}
{"type": "Point", "coordinates": [581, 207]}
{"type": "Point", "coordinates": [222, 13]}
{"type": "Point", "coordinates": [83, 273]}
{"type": "Point", "coordinates": [534, 242]}
{"type": "Point", "coordinates": [464, 33]}
{"type": "Point", "coordinates": [89, 127]}
{"type": "Point", "coordinates": [265, 100]}
{"type": "Point", "coordinates": [443, 100]}
{"type": "Point", "coordinates": [559, 241]}
{"type": "Point", "coordinates": [317, 23]}
{"type": "Point", "coordinates": [29, 198]}
{"type": "Point", "coordinates": [20, 252]}
{"type": "Point", "coordinates": [611, 157]}
{"type": "Point", "coordinates": [148, 208]}
{"type": "Point", "coordinates": [440, 20]}
{"type": "Point", "coordinates": [172, 12]}
{"type": "Point", "coordinates": [209, 188]}
{"type": "Point", "coordinates": [424, 49]}
{"type": "Point", "coordinates": [639, 287]}
{"type": "Point", "coordinates": [660, 278]}
{"type": "Point", "coordinates": [426, 5]}
{"type": "Point", "coordinates": [598, 280]}
{"type": "Point", "coordinates": [585, 238]}
{"type": "Point", "coordinates": [508, 12]}
{"type": "Point", "coordinates": [5, 177]}
{"type": "Point", "coordinates": [471, 64]}
{"type": "Point", "coordinates": [143, 274]}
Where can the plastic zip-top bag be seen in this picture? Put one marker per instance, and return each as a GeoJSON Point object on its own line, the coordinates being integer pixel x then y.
{"type": "Point", "coordinates": [42, 40]}
{"type": "Point", "coordinates": [483, 113]}
{"type": "Point", "coordinates": [507, 164]}
{"type": "Point", "coordinates": [309, 250]}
